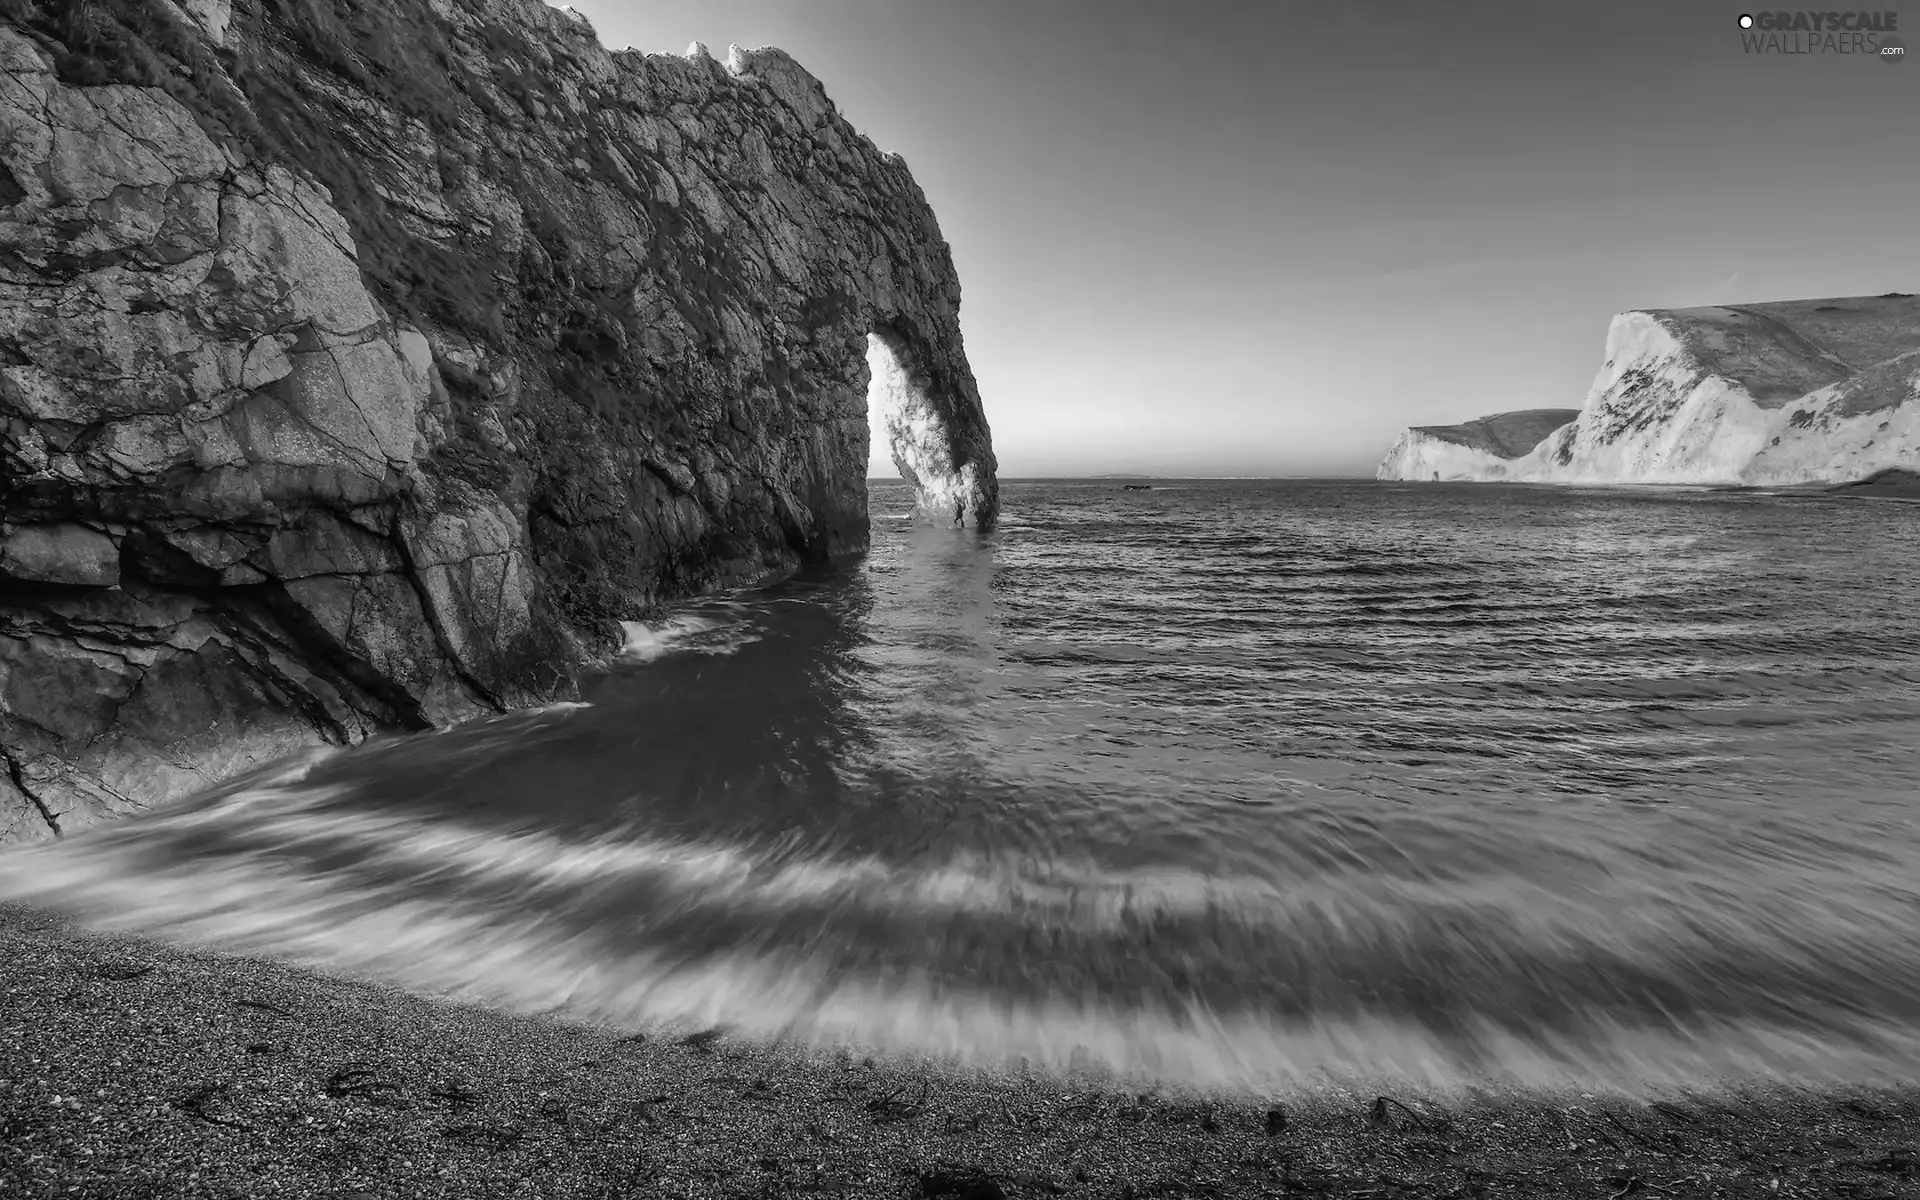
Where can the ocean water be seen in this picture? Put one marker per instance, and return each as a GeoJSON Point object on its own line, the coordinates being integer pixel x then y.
{"type": "Point", "coordinates": [1243, 785]}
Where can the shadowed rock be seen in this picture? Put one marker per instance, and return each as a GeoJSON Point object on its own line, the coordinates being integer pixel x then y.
{"type": "Point", "coordinates": [366, 374]}
{"type": "Point", "coordinates": [1891, 482]}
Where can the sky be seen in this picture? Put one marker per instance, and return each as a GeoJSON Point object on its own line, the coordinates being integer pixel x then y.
{"type": "Point", "coordinates": [1260, 238]}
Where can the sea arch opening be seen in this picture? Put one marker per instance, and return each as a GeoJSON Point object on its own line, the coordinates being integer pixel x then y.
{"type": "Point", "coordinates": [910, 427]}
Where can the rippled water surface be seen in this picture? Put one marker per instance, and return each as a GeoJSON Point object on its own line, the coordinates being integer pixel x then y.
{"type": "Point", "coordinates": [1232, 783]}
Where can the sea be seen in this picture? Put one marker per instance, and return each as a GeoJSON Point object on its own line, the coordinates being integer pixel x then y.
{"type": "Point", "coordinates": [1226, 784]}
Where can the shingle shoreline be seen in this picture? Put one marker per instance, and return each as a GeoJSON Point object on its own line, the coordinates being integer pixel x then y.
{"type": "Point", "coordinates": [132, 1069]}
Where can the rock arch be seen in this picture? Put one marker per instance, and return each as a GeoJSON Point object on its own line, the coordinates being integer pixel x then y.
{"type": "Point", "coordinates": [940, 448]}
{"type": "Point", "coordinates": [418, 457]}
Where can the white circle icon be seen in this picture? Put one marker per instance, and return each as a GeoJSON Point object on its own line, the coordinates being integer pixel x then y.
{"type": "Point", "coordinates": [1746, 22]}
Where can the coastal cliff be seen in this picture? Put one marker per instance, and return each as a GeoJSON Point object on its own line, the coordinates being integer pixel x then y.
{"type": "Point", "coordinates": [364, 364]}
{"type": "Point", "coordinates": [1473, 449]}
{"type": "Point", "coordinates": [1800, 392]}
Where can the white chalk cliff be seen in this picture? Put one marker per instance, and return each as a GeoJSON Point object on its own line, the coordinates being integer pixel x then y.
{"type": "Point", "coordinates": [1799, 392]}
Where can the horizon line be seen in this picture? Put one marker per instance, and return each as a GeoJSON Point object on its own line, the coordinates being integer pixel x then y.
{"type": "Point", "coordinates": [1118, 476]}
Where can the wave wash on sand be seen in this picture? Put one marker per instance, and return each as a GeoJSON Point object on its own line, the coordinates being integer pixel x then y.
{"type": "Point", "coordinates": [1225, 985]}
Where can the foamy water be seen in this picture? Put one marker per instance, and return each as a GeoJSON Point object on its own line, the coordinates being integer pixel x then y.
{"type": "Point", "coordinates": [1246, 786]}
{"type": "Point", "coordinates": [718, 631]}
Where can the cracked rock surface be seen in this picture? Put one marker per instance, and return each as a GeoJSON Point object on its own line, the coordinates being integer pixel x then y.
{"type": "Point", "coordinates": [362, 367]}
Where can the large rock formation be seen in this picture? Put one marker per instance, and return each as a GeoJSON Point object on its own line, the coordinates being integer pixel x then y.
{"type": "Point", "coordinates": [364, 363]}
{"type": "Point", "coordinates": [1812, 391]}
{"type": "Point", "coordinates": [1456, 451]}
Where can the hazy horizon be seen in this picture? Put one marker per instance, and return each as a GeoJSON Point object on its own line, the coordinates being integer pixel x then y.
{"type": "Point", "coordinates": [1262, 238]}
{"type": "Point", "coordinates": [893, 476]}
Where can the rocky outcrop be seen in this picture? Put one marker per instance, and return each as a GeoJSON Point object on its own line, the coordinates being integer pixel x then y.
{"type": "Point", "coordinates": [1480, 447]}
{"type": "Point", "coordinates": [363, 365]}
{"type": "Point", "coordinates": [1803, 392]}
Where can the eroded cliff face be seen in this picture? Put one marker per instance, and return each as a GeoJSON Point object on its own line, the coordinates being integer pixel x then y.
{"type": "Point", "coordinates": [363, 365]}
{"type": "Point", "coordinates": [1802, 392]}
{"type": "Point", "coordinates": [1474, 450]}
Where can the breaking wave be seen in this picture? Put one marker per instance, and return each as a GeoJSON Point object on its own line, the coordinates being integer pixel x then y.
{"type": "Point", "coordinates": [1219, 982]}
{"type": "Point", "coordinates": [687, 633]}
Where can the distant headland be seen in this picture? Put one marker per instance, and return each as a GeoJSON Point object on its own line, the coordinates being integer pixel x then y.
{"type": "Point", "coordinates": [1781, 394]}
